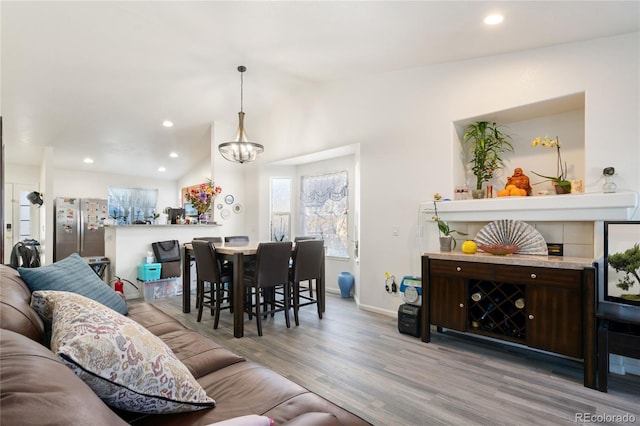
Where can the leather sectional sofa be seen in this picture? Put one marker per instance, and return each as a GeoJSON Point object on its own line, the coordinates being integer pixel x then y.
{"type": "Point", "coordinates": [37, 388]}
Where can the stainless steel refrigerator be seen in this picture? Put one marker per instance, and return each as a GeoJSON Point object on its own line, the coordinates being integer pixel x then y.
{"type": "Point", "coordinates": [79, 227]}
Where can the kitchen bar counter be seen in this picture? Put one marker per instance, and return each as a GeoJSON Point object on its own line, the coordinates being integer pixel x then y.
{"type": "Point", "coordinates": [559, 262]}
{"type": "Point", "coordinates": [127, 245]}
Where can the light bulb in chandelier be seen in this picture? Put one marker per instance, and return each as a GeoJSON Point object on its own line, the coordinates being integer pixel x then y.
{"type": "Point", "coordinates": [241, 150]}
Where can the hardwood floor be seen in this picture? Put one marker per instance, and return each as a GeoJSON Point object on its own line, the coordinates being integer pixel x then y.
{"type": "Point", "coordinates": [359, 360]}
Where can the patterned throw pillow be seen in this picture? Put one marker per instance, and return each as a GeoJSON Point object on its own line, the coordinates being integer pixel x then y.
{"type": "Point", "coordinates": [73, 274]}
{"type": "Point", "coordinates": [124, 364]}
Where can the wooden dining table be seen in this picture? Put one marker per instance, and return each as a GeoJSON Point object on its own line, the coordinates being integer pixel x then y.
{"type": "Point", "coordinates": [236, 253]}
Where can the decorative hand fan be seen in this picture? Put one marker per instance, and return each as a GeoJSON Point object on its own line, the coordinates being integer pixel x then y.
{"type": "Point", "coordinates": [509, 233]}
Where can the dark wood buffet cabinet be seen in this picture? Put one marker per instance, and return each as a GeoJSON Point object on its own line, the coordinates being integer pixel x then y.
{"type": "Point", "coordinates": [549, 306]}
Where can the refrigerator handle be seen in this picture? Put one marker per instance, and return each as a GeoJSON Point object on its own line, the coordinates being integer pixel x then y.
{"type": "Point", "coordinates": [80, 225]}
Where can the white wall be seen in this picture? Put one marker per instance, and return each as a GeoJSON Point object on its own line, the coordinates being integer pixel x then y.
{"type": "Point", "coordinates": [71, 183]}
{"type": "Point", "coordinates": [403, 122]}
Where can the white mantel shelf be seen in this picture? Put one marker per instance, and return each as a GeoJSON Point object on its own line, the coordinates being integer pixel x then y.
{"type": "Point", "coordinates": [547, 208]}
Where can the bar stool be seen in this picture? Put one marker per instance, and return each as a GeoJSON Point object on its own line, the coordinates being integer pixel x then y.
{"type": "Point", "coordinates": [220, 289]}
{"type": "Point", "coordinates": [307, 266]}
{"type": "Point", "coordinates": [214, 240]}
{"type": "Point", "coordinates": [271, 272]}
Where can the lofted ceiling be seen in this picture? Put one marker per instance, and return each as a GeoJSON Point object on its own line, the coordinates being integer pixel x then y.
{"type": "Point", "coordinates": [96, 79]}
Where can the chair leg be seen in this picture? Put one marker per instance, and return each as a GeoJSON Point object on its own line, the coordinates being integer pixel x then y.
{"type": "Point", "coordinates": [296, 302]}
{"type": "Point", "coordinates": [318, 300]}
{"type": "Point", "coordinates": [200, 298]}
{"type": "Point", "coordinates": [258, 316]}
{"type": "Point", "coordinates": [218, 304]}
{"type": "Point", "coordinates": [213, 293]}
{"type": "Point", "coordinates": [287, 300]}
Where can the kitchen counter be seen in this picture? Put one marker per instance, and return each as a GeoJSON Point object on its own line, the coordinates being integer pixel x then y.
{"type": "Point", "coordinates": [127, 245]}
{"type": "Point", "coordinates": [559, 262]}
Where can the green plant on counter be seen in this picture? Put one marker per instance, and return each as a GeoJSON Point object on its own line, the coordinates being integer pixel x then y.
{"type": "Point", "coordinates": [443, 227]}
{"type": "Point", "coordinates": [487, 143]}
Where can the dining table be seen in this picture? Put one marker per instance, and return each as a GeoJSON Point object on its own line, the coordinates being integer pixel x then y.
{"type": "Point", "coordinates": [237, 253]}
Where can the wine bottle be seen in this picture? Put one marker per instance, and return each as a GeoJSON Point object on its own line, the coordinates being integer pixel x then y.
{"type": "Point", "coordinates": [486, 312]}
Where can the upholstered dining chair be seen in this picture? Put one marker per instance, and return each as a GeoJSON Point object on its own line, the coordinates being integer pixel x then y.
{"type": "Point", "coordinates": [302, 287]}
{"type": "Point", "coordinates": [271, 272]}
{"type": "Point", "coordinates": [214, 240]}
{"type": "Point", "coordinates": [220, 288]}
{"type": "Point", "coordinates": [307, 266]}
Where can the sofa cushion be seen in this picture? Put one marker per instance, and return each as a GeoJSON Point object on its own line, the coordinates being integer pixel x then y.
{"type": "Point", "coordinates": [75, 275]}
{"type": "Point", "coordinates": [15, 312]}
{"type": "Point", "coordinates": [126, 365]}
{"type": "Point", "coordinates": [38, 389]}
{"type": "Point", "coordinates": [198, 353]}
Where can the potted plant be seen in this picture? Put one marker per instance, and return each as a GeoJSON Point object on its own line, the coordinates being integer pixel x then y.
{"type": "Point", "coordinates": [445, 231]}
{"type": "Point", "coordinates": [487, 143]}
{"type": "Point", "coordinates": [562, 185]}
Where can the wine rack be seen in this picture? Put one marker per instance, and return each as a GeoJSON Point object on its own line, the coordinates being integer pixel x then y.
{"type": "Point", "coordinates": [497, 309]}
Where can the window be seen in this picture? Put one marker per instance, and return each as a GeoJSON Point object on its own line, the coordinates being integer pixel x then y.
{"type": "Point", "coordinates": [324, 208]}
{"type": "Point", "coordinates": [280, 209]}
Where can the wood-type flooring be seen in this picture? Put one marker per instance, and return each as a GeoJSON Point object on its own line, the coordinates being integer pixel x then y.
{"type": "Point", "coordinates": [358, 360]}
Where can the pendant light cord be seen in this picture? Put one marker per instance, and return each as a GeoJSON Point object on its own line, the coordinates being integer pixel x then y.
{"type": "Point", "coordinates": [242, 69]}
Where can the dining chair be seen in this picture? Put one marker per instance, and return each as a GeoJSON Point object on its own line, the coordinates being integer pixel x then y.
{"type": "Point", "coordinates": [307, 266]}
{"type": "Point", "coordinates": [214, 240]}
{"type": "Point", "coordinates": [271, 272]}
{"type": "Point", "coordinates": [220, 288]}
{"type": "Point", "coordinates": [297, 239]}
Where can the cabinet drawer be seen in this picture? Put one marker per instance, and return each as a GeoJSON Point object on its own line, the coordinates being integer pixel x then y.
{"type": "Point", "coordinates": [461, 269]}
{"type": "Point", "coordinates": [532, 275]}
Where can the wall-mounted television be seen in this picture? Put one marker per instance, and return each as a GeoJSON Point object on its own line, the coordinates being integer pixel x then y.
{"type": "Point", "coordinates": [622, 262]}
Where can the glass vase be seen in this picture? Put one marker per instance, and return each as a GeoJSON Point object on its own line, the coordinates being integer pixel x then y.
{"type": "Point", "coordinates": [203, 218]}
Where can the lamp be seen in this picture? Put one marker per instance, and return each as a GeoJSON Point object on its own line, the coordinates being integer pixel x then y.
{"type": "Point", "coordinates": [241, 150]}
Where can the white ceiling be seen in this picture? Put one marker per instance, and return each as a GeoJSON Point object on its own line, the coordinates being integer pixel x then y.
{"type": "Point", "coordinates": [96, 79]}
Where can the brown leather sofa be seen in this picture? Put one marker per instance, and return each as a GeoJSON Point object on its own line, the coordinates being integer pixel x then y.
{"type": "Point", "coordinates": [37, 389]}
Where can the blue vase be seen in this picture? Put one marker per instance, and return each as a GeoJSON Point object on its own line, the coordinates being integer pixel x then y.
{"type": "Point", "coordinates": [345, 281]}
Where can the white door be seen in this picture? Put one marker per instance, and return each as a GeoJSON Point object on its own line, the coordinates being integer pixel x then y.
{"type": "Point", "coordinates": [21, 217]}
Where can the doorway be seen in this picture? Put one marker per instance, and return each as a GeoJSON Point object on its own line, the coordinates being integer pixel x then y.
{"type": "Point", "coordinates": [22, 219]}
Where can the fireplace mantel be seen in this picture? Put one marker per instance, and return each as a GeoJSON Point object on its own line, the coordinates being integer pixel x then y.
{"type": "Point", "coordinates": [548, 208]}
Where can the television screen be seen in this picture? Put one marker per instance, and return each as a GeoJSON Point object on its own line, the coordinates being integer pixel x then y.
{"type": "Point", "coordinates": [622, 262]}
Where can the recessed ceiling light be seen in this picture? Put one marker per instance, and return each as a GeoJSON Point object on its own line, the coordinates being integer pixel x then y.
{"type": "Point", "coordinates": [167, 123]}
{"type": "Point", "coordinates": [173, 154]}
{"type": "Point", "coordinates": [493, 19]}
{"type": "Point", "coordinates": [162, 169]}
{"type": "Point", "coordinates": [88, 160]}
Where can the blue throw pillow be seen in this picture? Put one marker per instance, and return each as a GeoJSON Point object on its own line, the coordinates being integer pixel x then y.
{"type": "Point", "coordinates": [75, 275]}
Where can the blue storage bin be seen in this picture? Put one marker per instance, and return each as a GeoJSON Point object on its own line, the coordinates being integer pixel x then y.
{"type": "Point", "coordinates": [149, 271]}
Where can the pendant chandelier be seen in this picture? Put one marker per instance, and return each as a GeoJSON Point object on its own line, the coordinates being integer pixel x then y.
{"type": "Point", "coordinates": [241, 150]}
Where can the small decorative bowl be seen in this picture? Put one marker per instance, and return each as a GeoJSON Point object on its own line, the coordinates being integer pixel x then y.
{"type": "Point", "coordinates": [499, 249]}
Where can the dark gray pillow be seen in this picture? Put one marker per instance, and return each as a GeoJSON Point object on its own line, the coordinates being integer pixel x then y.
{"type": "Point", "coordinates": [75, 275]}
